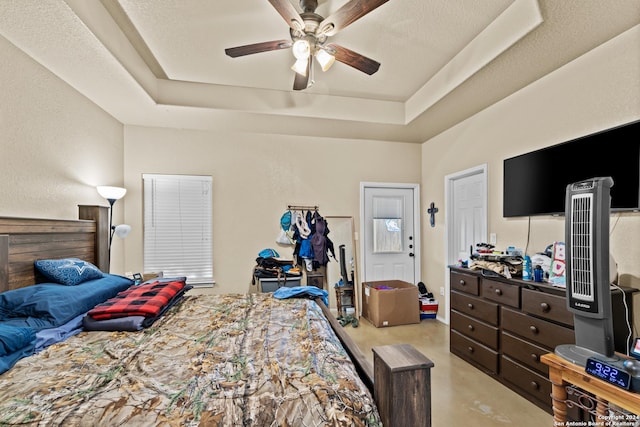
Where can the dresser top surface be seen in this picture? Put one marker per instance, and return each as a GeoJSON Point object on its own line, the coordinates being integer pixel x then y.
{"type": "Point", "coordinates": [529, 284]}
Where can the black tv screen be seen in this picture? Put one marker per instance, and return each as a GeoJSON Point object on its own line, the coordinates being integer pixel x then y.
{"type": "Point", "coordinates": [535, 182]}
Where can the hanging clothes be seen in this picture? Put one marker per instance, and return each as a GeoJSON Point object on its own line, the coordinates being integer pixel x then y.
{"type": "Point", "coordinates": [285, 237]}
{"type": "Point", "coordinates": [309, 232]}
{"type": "Point", "coordinates": [320, 241]}
{"type": "Point", "coordinates": [302, 225]}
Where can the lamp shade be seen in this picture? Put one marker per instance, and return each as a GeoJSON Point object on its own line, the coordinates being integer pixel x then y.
{"type": "Point", "coordinates": [111, 193]}
{"type": "Point", "coordinates": [301, 49]}
{"type": "Point", "coordinates": [325, 59]}
{"type": "Point", "coordinates": [301, 66]}
{"type": "Point", "coordinates": [122, 230]}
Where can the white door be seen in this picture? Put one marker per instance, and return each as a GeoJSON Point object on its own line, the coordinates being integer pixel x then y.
{"type": "Point", "coordinates": [469, 215]}
{"type": "Point", "coordinates": [466, 217]}
{"type": "Point", "coordinates": [389, 233]}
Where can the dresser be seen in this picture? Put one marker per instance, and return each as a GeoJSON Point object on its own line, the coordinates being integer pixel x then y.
{"type": "Point", "coordinates": [504, 326]}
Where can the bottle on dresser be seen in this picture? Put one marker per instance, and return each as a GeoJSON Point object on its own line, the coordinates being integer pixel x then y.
{"type": "Point", "coordinates": [527, 272]}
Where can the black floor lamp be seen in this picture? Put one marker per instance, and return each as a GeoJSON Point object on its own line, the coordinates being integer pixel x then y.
{"type": "Point", "coordinates": [112, 194]}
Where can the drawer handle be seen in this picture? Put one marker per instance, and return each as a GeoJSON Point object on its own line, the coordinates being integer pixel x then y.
{"type": "Point", "coordinates": [533, 329]}
{"type": "Point", "coordinates": [470, 349]}
{"type": "Point", "coordinates": [462, 282]}
{"type": "Point", "coordinates": [535, 385]}
{"type": "Point", "coordinates": [470, 327]}
{"type": "Point", "coordinates": [470, 306]}
{"type": "Point", "coordinates": [534, 357]}
{"type": "Point", "coordinates": [545, 307]}
{"type": "Point", "coordinates": [498, 291]}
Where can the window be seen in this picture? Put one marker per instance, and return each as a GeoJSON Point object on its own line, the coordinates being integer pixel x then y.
{"type": "Point", "coordinates": [177, 226]}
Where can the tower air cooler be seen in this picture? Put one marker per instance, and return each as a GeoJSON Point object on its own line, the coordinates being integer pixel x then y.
{"type": "Point", "coordinates": [587, 211]}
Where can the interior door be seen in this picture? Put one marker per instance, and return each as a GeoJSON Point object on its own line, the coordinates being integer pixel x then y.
{"type": "Point", "coordinates": [389, 242]}
{"type": "Point", "coordinates": [466, 218]}
{"type": "Point", "coordinates": [469, 215]}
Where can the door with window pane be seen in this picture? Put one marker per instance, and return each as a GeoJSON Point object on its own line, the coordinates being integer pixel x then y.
{"type": "Point", "coordinates": [389, 244]}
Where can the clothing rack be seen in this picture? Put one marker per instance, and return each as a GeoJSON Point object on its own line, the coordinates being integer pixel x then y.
{"type": "Point", "coordinates": [302, 208]}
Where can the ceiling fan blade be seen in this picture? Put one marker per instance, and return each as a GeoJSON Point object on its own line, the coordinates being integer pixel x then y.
{"type": "Point", "coordinates": [250, 49]}
{"type": "Point", "coordinates": [289, 13]}
{"type": "Point", "coordinates": [301, 82]}
{"type": "Point", "coordinates": [350, 12]}
{"type": "Point", "coordinates": [354, 59]}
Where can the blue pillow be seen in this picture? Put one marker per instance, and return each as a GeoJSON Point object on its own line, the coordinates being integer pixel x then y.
{"type": "Point", "coordinates": [68, 271]}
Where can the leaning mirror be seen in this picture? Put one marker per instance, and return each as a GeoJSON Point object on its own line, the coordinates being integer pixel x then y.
{"type": "Point", "coordinates": [341, 233]}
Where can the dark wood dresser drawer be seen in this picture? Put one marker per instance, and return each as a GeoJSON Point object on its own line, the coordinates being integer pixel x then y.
{"type": "Point", "coordinates": [464, 283]}
{"type": "Point", "coordinates": [504, 326]}
{"type": "Point", "coordinates": [475, 307]}
{"type": "Point", "coordinates": [531, 383]}
{"type": "Point", "coordinates": [472, 351]}
{"type": "Point", "coordinates": [479, 331]}
{"type": "Point", "coordinates": [552, 307]}
{"type": "Point", "coordinates": [500, 292]}
{"type": "Point", "coordinates": [525, 352]}
{"type": "Point", "coordinates": [535, 329]}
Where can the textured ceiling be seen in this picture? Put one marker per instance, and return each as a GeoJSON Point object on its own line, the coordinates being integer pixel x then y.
{"type": "Point", "coordinates": [162, 62]}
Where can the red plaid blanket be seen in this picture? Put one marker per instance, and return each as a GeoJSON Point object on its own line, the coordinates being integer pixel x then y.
{"type": "Point", "coordinates": [143, 300]}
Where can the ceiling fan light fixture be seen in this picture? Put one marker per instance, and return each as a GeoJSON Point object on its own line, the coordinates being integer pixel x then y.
{"type": "Point", "coordinates": [325, 59]}
{"type": "Point", "coordinates": [309, 33]}
{"type": "Point", "coordinates": [301, 49]}
{"type": "Point", "coordinates": [300, 66]}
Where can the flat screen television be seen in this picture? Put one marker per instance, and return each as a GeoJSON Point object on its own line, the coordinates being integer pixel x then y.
{"type": "Point", "coordinates": [535, 183]}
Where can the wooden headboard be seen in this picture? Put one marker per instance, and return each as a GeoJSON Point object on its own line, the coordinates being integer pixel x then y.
{"type": "Point", "coordinates": [24, 240]}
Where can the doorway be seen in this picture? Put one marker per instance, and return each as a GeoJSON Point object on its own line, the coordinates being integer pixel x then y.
{"type": "Point", "coordinates": [390, 230]}
{"type": "Point", "coordinates": [466, 217]}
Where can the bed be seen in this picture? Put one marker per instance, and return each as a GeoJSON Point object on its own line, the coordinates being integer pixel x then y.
{"type": "Point", "coordinates": [237, 359]}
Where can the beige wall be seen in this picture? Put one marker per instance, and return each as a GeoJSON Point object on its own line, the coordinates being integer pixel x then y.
{"type": "Point", "coordinates": [595, 92]}
{"type": "Point", "coordinates": [255, 177]}
{"type": "Point", "coordinates": [55, 144]}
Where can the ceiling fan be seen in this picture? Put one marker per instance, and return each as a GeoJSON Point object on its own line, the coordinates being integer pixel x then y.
{"type": "Point", "coordinates": [309, 35]}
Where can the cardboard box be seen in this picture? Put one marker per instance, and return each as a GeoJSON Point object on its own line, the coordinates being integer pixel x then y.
{"type": "Point", "coordinates": [390, 307]}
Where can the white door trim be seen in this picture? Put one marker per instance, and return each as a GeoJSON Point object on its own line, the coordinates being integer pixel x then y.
{"type": "Point", "coordinates": [448, 197]}
{"type": "Point", "coordinates": [416, 222]}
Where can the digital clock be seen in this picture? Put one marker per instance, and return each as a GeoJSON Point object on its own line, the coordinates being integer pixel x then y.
{"type": "Point", "coordinates": [608, 372]}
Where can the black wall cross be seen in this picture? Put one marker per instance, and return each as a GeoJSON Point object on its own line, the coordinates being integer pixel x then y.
{"type": "Point", "coordinates": [432, 211]}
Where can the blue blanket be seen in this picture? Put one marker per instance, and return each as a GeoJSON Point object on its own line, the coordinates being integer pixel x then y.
{"type": "Point", "coordinates": [302, 291]}
{"type": "Point", "coordinates": [49, 305]}
{"type": "Point", "coordinates": [15, 343]}
{"type": "Point", "coordinates": [27, 311]}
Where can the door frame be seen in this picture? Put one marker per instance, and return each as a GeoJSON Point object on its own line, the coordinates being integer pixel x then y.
{"type": "Point", "coordinates": [416, 223]}
{"type": "Point", "coordinates": [449, 209]}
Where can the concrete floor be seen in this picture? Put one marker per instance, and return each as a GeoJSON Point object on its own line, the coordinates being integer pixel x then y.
{"type": "Point", "coordinates": [461, 394]}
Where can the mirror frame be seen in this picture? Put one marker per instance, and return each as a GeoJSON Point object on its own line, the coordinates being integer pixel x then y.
{"type": "Point", "coordinates": [356, 282]}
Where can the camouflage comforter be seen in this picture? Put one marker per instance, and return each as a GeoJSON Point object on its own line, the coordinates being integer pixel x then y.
{"type": "Point", "coordinates": [212, 360]}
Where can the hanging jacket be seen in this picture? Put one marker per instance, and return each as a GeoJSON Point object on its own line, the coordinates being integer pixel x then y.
{"type": "Point", "coordinates": [319, 241]}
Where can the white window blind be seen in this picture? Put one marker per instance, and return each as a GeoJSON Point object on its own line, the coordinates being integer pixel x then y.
{"type": "Point", "coordinates": [177, 226]}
